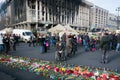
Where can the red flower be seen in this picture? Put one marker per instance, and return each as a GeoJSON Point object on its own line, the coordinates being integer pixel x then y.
{"type": "Point", "coordinates": [43, 67]}
{"type": "Point", "coordinates": [114, 77]}
{"type": "Point", "coordinates": [8, 60]}
{"type": "Point", "coordinates": [91, 74]}
{"type": "Point", "coordinates": [56, 69]}
{"type": "Point", "coordinates": [99, 78]}
{"type": "Point", "coordinates": [60, 70]}
{"type": "Point", "coordinates": [69, 72]}
{"type": "Point", "coordinates": [48, 67]}
{"type": "Point", "coordinates": [2, 59]}
{"type": "Point", "coordinates": [76, 73]}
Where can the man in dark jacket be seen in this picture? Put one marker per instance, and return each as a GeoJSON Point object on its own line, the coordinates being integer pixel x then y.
{"type": "Point", "coordinates": [42, 44]}
{"type": "Point", "coordinates": [6, 42]}
{"type": "Point", "coordinates": [60, 50]}
{"type": "Point", "coordinates": [104, 44]}
{"type": "Point", "coordinates": [74, 44]}
{"type": "Point", "coordinates": [118, 43]}
{"type": "Point", "coordinates": [64, 39]}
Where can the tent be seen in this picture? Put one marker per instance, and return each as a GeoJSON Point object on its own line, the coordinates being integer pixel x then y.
{"type": "Point", "coordinates": [7, 30]}
{"type": "Point", "coordinates": [63, 29]}
{"type": "Point", "coordinates": [68, 30]}
{"type": "Point", "coordinates": [57, 29]}
{"type": "Point", "coordinates": [2, 32]}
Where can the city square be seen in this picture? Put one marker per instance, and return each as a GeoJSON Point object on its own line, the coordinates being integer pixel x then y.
{"type": "Point", "coordinates": [91, 59]}
{"type": "Point", "coordinates": [58, 40]}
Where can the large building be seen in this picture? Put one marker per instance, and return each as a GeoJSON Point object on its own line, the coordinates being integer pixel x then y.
{"type": "Point", "coordinates": [37, 14]}
{"type": "Point", "coordinates": [112, 22]}
{"type": "Point", "coordinates": [99, 17]}
{"type": "Point", "coordinates": [3, 14]}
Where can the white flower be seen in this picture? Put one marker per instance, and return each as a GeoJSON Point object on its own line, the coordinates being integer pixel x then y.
{"type": "Point", "coordinates": [96, 73]}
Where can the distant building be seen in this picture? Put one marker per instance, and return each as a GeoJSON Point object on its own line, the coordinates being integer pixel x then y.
{"type": "Point", "coordinates": [37, 14]}
{"type": "Point", "coordinates": [112, 22]}
{"type": "Point", "coordinates": [98, 17]}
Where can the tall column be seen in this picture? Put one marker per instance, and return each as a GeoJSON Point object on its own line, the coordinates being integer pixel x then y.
{"type": "Point", "coordinates": [48, 15]}
{"type": "Point", "coordinates": [27, 11]}
{"type": "Point", "coordinates": [36, 7]}
{"type": "Point", "coordinates": [118, 18]}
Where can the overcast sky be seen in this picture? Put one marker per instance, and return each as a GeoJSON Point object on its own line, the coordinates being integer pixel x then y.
{"type": "Point", "coordinates": [1, 1]}
{"type": "Point", "coordinates": [110, 5]}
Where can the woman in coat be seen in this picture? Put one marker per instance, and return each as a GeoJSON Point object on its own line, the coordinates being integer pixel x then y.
{"type": "Point", "coordinates": [69, 46]}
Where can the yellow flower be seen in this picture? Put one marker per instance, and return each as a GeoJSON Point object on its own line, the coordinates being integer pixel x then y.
{"type": "Point", "coordinates": [63, 69]}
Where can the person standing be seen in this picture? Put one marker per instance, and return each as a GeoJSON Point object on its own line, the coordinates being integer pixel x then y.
{"type": "Point", "coordinates": [45, 43]}
{"type": "Point", "coordinates": [6, 42]}
{"type": "Point", "coordinates": [64, 39]}
{"type": "Point", "coordinates": [1, 44]}
{"type": "Point", "coordinates": [32, 41]}
{"type": "Point", "coordinates": [86, 41]}
{"type": "Point", "coordinates": [118, 43]}
{"type": "Point", "coordinates": [60, 50]}
{"type": "Point", "coordinates": [105, 45]}
{"type": "Point", "coordinates": [69, 46]}
{"type": "Point", "coordinates": [42, 45]}
{"type": "Point", "coordinates": [74, 44]}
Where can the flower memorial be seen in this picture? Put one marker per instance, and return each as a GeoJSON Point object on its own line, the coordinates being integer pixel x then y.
{"type": "Point", "coordinates": [59, 71]}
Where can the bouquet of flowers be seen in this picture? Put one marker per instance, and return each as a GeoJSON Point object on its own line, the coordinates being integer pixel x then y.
{"type": "Point", "coordinates": [58, 71]}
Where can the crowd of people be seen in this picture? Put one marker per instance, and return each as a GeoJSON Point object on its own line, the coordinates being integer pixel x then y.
{"type": "Point", "coordinates": [66, 45]}
{"type": "Point", "coordinates": [8, 42]}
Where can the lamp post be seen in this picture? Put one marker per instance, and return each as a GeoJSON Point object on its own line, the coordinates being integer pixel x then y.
{"type": "Point", "coordinates": [118, 10]}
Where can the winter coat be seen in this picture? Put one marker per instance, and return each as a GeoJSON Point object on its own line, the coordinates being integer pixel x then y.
{"type": "Point", "coordinates": [105, 42]}
{"type": "Point", "coordinates": [60, 47]}
{"type": "Point", "coordinates": [118, 38]}
{"type": "Point", "coordinates": [1, 39]}
{"type": "Point", "coordinates": [69, 45]}
{"type": "Point", "coordinates": [74, 44]}
{"type": "Point", "coordinates": [63, 37]}
{"type": "Point", "coordinates": [42, 41]}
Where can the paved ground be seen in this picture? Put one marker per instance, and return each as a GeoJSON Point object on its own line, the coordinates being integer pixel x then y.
{"type": "Point", "coordinates": [4, 76]}
{"type": "Point", "coordinates": [81, 58]}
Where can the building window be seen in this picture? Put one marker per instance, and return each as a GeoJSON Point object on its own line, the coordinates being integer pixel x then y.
{"type": "Point", "coordinates": [38, 5]}
{"type": "Point", "coordinates": [46, 17]}
{"type": "Point", "coordinates": [42, 8]}
{"type": "Point", "coordinates": [42, 18]}
{"type": "Point", "coordinates": [43, 13]}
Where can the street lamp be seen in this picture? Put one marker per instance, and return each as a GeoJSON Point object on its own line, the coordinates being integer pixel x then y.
{"type": "Point", "coordinates": [118, 9]}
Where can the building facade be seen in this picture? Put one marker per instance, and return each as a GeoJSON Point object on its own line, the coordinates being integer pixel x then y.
{"type": "Point", "coordinates": [99, 17]}
{"type": "Point", "coordinates": [112, 22]}
{"type": "Point", "coordinates": [3, 14]}
{"type": "Point", "coordinates": [37, 14]}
